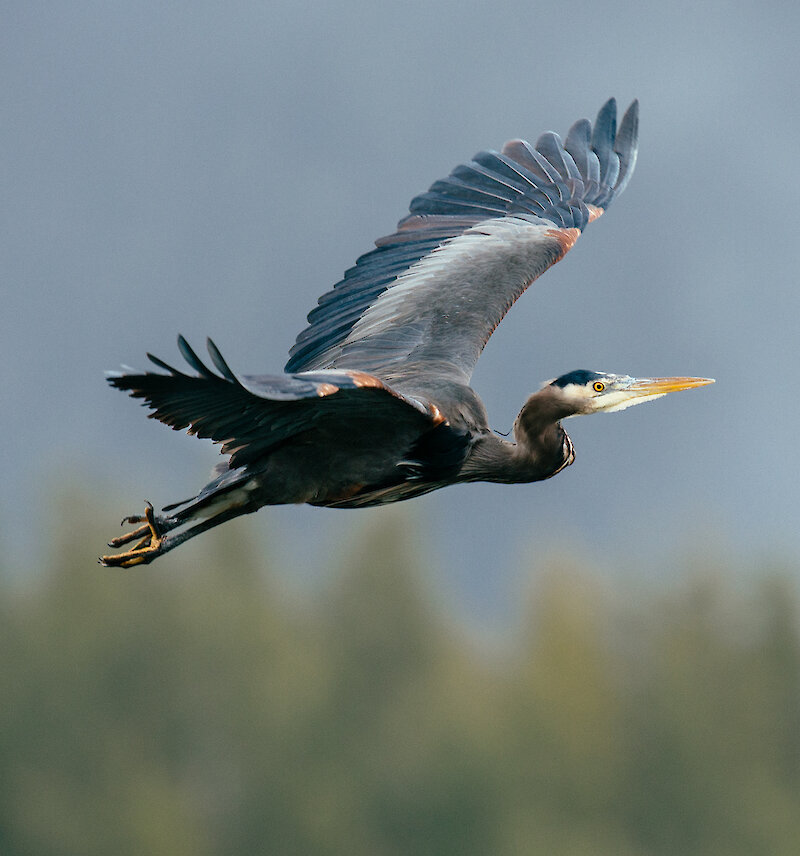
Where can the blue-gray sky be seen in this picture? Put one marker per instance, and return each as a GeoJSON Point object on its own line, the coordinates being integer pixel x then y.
{"type": "Point", "coordinates": [211, 168]}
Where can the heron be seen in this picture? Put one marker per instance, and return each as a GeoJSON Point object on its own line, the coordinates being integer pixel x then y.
{"type": "Point", "coordinates": [375, 404]}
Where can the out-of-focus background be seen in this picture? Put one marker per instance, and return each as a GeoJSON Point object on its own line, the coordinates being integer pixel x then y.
{"type": "Point", "coordinates": [604, 663]}
{"type": "Point", "coordinates": [205, 707]}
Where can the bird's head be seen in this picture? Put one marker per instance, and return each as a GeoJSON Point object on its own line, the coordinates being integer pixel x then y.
{"type": "Point", "coordinates": [585, 391]}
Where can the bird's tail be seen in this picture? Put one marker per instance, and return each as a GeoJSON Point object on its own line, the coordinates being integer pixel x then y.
{"type": "Point", "coordinates": [229, 490]}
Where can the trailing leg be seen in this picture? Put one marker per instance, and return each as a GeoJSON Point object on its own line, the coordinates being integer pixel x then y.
{"type": "Point", "coordinates": [156, 539]}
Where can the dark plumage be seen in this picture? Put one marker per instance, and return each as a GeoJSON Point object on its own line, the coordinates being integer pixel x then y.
{"type": "Point", "coordinates": [375, 404]}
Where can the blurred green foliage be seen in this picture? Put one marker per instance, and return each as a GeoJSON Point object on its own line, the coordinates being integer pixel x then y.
{"type": "Point", "coordinates": [201, 707]}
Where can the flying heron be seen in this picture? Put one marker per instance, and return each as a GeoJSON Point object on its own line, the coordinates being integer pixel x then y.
{"type": "Point", "coordinates": [374, 404]}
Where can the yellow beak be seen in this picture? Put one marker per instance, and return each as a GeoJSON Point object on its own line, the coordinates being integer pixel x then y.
{"type": "Point", "coordinates": [663, 385]}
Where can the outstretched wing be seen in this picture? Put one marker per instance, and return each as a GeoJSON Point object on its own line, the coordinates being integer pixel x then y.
{"type": "Point", "coordinates": [251, 416]}
{"type": "Point", "coordinates": [426, 301]}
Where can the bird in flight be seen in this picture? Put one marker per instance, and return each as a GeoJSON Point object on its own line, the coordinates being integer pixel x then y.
{"type": "Point", "coordinates": [375, 403]}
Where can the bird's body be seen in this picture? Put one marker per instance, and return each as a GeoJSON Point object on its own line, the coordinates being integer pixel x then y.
{"type": "Point", "coordinates": [375, 404]}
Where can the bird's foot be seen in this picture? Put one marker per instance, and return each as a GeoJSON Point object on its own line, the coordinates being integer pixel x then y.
{"type": "Point", "coordinates": [151, 540]}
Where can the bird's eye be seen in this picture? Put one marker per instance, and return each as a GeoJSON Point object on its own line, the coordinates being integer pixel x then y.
{"type": "Point", "coordinates": [598, 386]}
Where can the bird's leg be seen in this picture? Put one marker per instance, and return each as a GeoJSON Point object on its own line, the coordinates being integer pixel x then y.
{"type": "Point", "coordinates": [156, 541]}
{"type": "Point", "coordinates": [151, 536]}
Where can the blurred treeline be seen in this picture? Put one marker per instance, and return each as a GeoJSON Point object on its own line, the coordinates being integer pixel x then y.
{"type": "Point", "coordinates": [202, 707]}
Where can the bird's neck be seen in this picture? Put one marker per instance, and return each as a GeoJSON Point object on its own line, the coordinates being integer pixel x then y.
{"type": "Point", "coordinates": [540, 416]}
{"type": "Point", "coordinates": [548, 451]}
{"type": "Point", "coordinates": [541, 446]}
{"type": "Point", "coordinates": [493, 459]}
{"type": "Point", "coordinates": [541, 441]}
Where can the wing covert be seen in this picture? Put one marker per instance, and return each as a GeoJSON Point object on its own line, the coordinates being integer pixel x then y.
{"type": "Point", "coordinates": [429, 296]}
